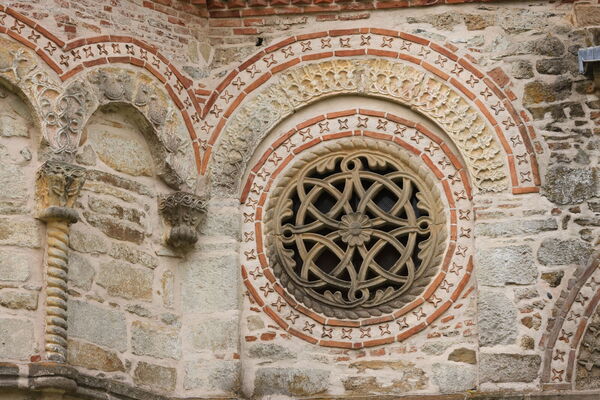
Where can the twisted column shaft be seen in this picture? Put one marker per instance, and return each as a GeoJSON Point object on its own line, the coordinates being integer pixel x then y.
{"type": "Point", "coordinates": [56, 290]}
{"type": "Point", "coordinates": [58, 185]}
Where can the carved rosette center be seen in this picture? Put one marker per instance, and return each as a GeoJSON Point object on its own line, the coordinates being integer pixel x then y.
{"type": "Point", "coordinates": [57, 186]}
{"type": "Point", "coordinates": [182, 212]}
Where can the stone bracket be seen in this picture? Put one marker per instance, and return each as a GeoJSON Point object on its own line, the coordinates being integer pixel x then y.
{"type": "Point", "coordinates": [182, 212]}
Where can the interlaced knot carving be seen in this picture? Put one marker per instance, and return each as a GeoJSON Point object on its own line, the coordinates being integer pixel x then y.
{"type": "Point", "coordinates": [355, 229]}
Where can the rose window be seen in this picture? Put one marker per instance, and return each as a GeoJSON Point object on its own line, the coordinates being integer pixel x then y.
{"type": "Point", "coordinates": [355, 229]}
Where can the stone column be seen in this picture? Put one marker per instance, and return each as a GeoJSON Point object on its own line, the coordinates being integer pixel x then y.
{"type": "Point", "coordinates": [57, 187]}
{"type": "Point", "coordinates": [182, 211]}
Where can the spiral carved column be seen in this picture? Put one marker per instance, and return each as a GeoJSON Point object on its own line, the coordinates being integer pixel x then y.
{"type": "Point", "coordinates": [58, 185]}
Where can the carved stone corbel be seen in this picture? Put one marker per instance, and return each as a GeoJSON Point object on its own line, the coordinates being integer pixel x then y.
{"type": "Point", "coordinates": [182, 212]}
{"type": "Point", "coordinates": [57, 187]}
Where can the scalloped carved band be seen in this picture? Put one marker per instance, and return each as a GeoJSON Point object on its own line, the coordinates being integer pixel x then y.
{"type": "Point", "coordinates": [396, 81]}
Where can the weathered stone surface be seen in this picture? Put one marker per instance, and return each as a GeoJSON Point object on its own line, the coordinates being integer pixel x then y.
{"type": "Point", "coordinates": [119, 182]}
{"type": "Point", "coordinates": [82, 240]}
{"type": "Point", "coordinates": [14, 266]}
{"type": "Point", "coordinates": [124, 280]}
{"type": "Point", "coordinates": [527, 343]}
{"type": "Point", "coordinates": [138, 310]}
{"type": "Point", "coordinates": [16, 339]}
{"type": "Point", "coordinates": [222, 220]}
{"type": "Point", "coordinates": [212, 376]}
{"type": "Point", "coordinates": [156, 376]}
{"type": "Point", "coordinates": [540, 92]}
{"type": "Point", "coordinates": [13, 197]}
{"type": "Point", "coordinates": [476, 22]}
{"type": "Point", "coordinates": [453, 378]}
{"type": "Point", "coordinates": [522, 69]}
{"type": "Point", "coordinates": [508, 367]}
{"type": "Point", "coordinates": [20, 232]}
{"type": "Point", "coordinates": [216, 334]}
{"type": "Point", "coordinates": [553, 278]}
{"type": "Point", "coordinates": [103, 188]}
{"type": "Point", "coordinates": [97, 324]}
{"type": "Point", "coordinates": [116, 210]}
{"type": "Point", "coordinates": [586, 14]}
{"type": "Point", "coordinates": [269, 351]}
{"type": "Point", "coordinates": [510, 264]}
{"type": "Point", "coordinates": [561, 252]}
{"type": "Point", "coordinates": [86, 156]}
{"type": "Point", "coordinates": [115, 228]}
{"type": "Point", "coordinates": [463, 355]}
{"type": "Point", "coordinates": [552, 66]}
{"type": "Point", "coordinates": [255, 322]}
{"type": "Point", "coordinates": [155, 341]}
{"type": "Point", "coordinates": [445, 21]}
{"type": "Point", "coordinates": [18, 299]}
{"type": "Point", "coordinates": [497, 318]}
{"type": "Point", "coordinates": [167, 283]}
{"type": "Point", "coordinates": [516, 227]}
{"type": "Point", "coordinates": [406, 378]}
{"type": "Point", "coordinates": [290, 381]}
{"type": "Point", "coordinates": [90, 356]}
{"type": "Point", "coordinates": [568, 185]}
{"type": "Point", "coordinates": [207, 282]}
{"type": "Point", "coordinates": [81, 272]}
{"type": "Point", "coordinates": [119, 148]}
{"type": "Point", "coordinates": [130, 254]}
{"type": "Point", "coordinates": [594, 221]}
{"type": "Point", "coordinates": [436, 348]}
{"type": "Point", "coordinates": [521, 20]}
{"type": "Point", "coordinates": [550, 46]}
{"type": "Point", "coordinates": [12, 125]}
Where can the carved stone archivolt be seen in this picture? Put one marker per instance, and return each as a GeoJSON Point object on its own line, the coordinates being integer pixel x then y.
{"type": "Point", "coordinates": [182, 211]}
{"type": "Point", "coordinates": [355, 229]}
{"type": "Point", "coordinates": [397, 81]}
{"type": "Point", "coordinates": [62, 111]}
{"type": "Point", "coordinates": [57, 186]}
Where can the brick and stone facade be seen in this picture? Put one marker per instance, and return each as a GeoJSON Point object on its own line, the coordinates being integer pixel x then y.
{"type": "Point", "coordinates": [144, 143]}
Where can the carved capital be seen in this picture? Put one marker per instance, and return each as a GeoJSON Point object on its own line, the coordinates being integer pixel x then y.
{"type": "Point", "coordinates": [182, 211]}
{"type": "Point", "coordinates": [57, 187]}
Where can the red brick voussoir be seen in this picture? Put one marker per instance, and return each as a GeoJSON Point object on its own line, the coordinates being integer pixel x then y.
{"type": "Point", "coordinates": [511, 127]}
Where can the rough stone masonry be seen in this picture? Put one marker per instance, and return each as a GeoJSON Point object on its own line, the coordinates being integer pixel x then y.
{"type": "Point", "coordinates": [284, 199]}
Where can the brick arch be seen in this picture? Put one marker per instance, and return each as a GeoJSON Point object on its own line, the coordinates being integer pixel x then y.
{"type": "Point", "coordinates": [66, 61]}
{"type": "Point", "coordinates": [156, 114]}
{"type": "Point", "coordinates": [441, 300]}
{"type": "Point", "coordinates": [567, 324]}
{"type": "Point", "coordinates": [474, 89]}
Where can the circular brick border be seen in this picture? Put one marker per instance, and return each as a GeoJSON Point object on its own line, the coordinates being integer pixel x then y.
{"type": "Point", "coordinates": [489, 93]}
{"type": "Point", "coordinates": [444, 289]}
{"type": "Point", "coordinates": [567, 325]}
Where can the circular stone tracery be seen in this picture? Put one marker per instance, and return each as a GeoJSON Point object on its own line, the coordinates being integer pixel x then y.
{"type": "Point", "coordinates": [355, 229]}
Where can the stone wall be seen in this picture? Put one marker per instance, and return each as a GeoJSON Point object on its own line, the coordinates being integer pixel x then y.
{"type": "Point", "coordinates": [220, 100]}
